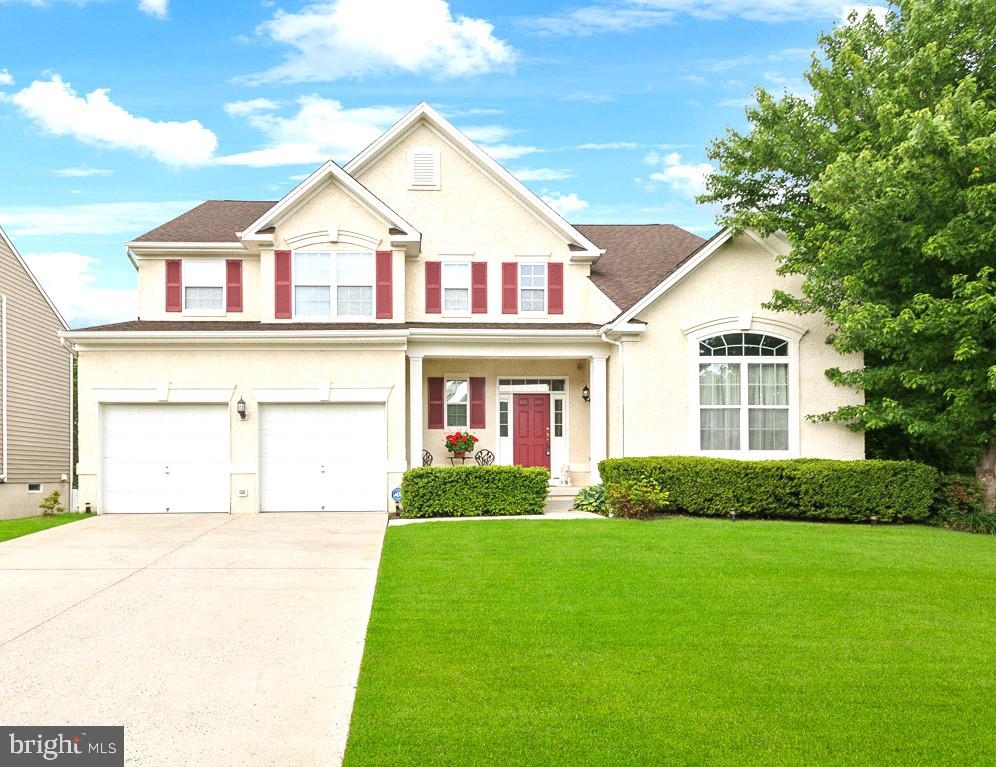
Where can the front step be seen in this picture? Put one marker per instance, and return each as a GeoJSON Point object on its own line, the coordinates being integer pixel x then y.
{"type": "Point", "coordinates": [560, 498]}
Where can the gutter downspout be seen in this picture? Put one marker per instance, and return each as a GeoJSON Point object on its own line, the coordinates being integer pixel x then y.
{"type": "Point", "coordinates": [3, 383]}
{"type": "Point", "coordinates": [622, 385]}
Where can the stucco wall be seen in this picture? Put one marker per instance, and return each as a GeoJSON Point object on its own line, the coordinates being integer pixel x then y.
{"type": "Point", "coordinates": [471, 212]}
{"type": "Point", "coordinates": [578, 428]}
{"type": "Point", "coordinates": [246, 369]}
{"type": "Point", "coordinates": [736, 280]}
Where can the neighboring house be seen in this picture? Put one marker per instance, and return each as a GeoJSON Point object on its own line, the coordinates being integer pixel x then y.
{"type": "Point", "coordinates": [419, 290]}
{"type": "Point", "coordinates": [35, 391]}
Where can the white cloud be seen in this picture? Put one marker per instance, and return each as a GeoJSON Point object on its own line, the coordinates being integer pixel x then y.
{"type": "Point", "coordinates": [487, 134]}
{"type": "Point", "coordinates": [627, 15]}
{"type": "Point", "coordinates": [879, 12]}
{"type": "Point", "coordinates": [82, 171]}
{"type": "Point", "coordinates": [251, 106]}
{"type": "Point", "coordinates": [589, 97]}
{"type": "Point", "coordinates": [321, 129]}
{"type": "Point", "coordinates": [565, 204]}
{"type": "Point", "coordinates": [687, 178]}
{"type": "Point", "coordinates": [119, 218]}
{"type": "Point", "coordinates": [354, 38]}
{"type": "Point", "coordinates": [6, 78]}
{"type": "Point", "coordinates": [541, 174]}
{"type": "Point", "coordinates": [609, 145]}
{"type": "Point", "coordinates": [157, 8]}
{"type": "Point", "coordinates": [71, 280]}
{"type": "Point", "coordinates": [510, 151]}
{"type": "Point", "coordinates": [95, 119]}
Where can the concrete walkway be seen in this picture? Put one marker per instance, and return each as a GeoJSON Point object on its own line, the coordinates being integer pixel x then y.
{"type": "Point", "coordinates": [214, 639]}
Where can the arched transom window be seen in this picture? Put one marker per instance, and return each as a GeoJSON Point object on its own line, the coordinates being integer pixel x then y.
{"type": "Point", "coordinates": [743, 392]}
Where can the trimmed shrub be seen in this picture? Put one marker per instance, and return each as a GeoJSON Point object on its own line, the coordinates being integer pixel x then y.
{"type": "Point", "coordinates": [801, 488]}
{"type": "Point", "coordinates": [636, 499]}
{"type": "Point", "coordinates": [591, 498]}
{"type": "Point", "coordinates": [51, 504]}
{"type": "Point", "coordinates": [472, 491]}
{"type": "Point", "coordinates": [960, 504]}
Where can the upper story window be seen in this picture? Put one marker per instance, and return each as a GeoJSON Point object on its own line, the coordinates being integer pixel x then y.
{"type": "Point", "coordinates": [423, 168]}
{"type": "Point", "coordinates": [532, 288]}
{"type": "Point", "coordinates": [203, 287]}
{"type": "Point", "coordinates": [333, 284]}
{"type": "Point", "coordinates": [743, 402]}
{"type": "Point", "coordinates": [456, 287]}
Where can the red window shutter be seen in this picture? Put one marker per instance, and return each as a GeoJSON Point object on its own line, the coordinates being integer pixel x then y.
{"type": "Point", "coordinates": [282, 284]}
{"type": "Point", "coordinates": [476, 403]}
{"type": "Point", "coordinates": [555, 288]}
{"type": "Point", "coordinates": [233, 285]}
{"type": "Point", "coordinates": [435, 403]}
{"type": "Point", "coordinates": [509, 288]}
{"type": "Point", "coordinates": [174, 286]}
{"type": "Point", "coordinates": [433, 288]}
{"type": "Point", "coordinates": [385, 309]}
{"type": "Point", "coordinates": [479, 288]}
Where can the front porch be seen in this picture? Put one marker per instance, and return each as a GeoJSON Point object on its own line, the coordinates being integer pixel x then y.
{"type": "Point", "coordinates": [524, 408]}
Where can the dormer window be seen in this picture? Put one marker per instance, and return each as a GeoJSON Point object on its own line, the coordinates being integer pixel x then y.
{"type": "Point", "coordinates": [423, 168]}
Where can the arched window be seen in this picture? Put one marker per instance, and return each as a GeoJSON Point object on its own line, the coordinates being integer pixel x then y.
{"type": "Point", "coordinates": [744, 392]}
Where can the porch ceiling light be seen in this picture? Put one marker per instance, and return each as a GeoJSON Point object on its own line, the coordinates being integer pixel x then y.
{"type": "Point", "coordinates": [240, 408]}
{"type": "Point", "coordinates": [586, 393]}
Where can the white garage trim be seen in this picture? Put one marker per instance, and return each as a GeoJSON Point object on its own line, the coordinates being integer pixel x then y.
{"type": "Point", "coordinates": [322, 392]}
{"type": "Point", "coordinates": [164, 393]}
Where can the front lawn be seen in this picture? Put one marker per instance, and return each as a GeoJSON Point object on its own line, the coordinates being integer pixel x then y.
{"type": "Point", "coordinates": [15, 528]}
{"type": "Point", "coordinates": [682, 641]}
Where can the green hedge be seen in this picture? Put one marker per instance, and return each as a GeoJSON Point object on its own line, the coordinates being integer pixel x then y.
{"type": "Point", "coordinates": [802, 488]}
{"type": "Point", "coordinates": [472, 491]}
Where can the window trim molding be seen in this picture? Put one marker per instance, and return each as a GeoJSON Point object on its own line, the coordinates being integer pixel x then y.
{"type": "Point", "coordinates": [447, 377]}
{"type": "Point", "coordinates": [333, 257]}
{"type": "Point", "coordinates": [442, 288]}
{"type": "Point", "coordinates": [743, 323]}
{"type": "Point", "coordinates": [184, 273]}
{"type": "Point", "coordinates": [533, 261]}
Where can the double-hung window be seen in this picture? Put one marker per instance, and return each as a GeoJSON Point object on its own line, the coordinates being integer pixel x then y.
{"type": "Point", "coordinates": [457, 403]}
{"type": "Point", "coordinates": [532, 288]}
{"type": "Point", "coordinates": [456, 288]}
{"type": "Point", "coordinates": [743, 388]}
{"type": "Point", "coordinates": [333, 284]}
{"type": "Point", "coordinates": [203, 287]}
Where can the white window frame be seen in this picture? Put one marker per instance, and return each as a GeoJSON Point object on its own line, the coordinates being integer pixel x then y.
{"type": "Point", "coordinates": [546, 288]}
{"type": "Point", "coordinates": [333, 256]}
{"type": "Point", "coordinates": [41, 487]}
{"type": "Point", "coordinates": [446, 409]}
{"type": "Point", "coordinates": [411, 168]}
{"type": "Point", "coordinates": [444, 284]}
{"type": "Point", "coordinates": [184, 284]}
{"type": "Point", "coordinates": [792, 334]}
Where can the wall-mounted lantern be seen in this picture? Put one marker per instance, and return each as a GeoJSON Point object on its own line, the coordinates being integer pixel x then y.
{"type": "Point", "coordinates": [240, 408]}
{"type": "Point", "coordinates": [586, 393]}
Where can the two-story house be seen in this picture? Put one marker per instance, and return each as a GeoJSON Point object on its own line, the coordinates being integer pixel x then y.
{"type": "Point", "coordinates": [301, 354]}
{"type": "Point", "coordinates": [35, 391]}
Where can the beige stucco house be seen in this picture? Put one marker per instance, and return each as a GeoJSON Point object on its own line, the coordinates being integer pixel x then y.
{"type": "Point", "coordinates": [35, 391]}
{"type": "Point", "coordinates": [301, 354]}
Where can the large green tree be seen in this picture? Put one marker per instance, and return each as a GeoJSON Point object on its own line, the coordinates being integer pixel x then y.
{"type": "Point", "coordinates": [884, 182]}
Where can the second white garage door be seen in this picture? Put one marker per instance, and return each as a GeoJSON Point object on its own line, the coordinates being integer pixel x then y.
{"type": "Point", "coordinates": [323, 457]}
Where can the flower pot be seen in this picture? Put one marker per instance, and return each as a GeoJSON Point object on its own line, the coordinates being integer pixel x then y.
{"type": "Point", "coordinates": [459, 453]}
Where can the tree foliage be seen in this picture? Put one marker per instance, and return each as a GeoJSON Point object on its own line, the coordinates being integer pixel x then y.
{"type": "Point", "coordinates": [884, 182]}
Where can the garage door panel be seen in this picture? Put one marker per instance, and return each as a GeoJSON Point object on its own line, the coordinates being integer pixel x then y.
{"type": "Point", "coordinates": [159, 458]}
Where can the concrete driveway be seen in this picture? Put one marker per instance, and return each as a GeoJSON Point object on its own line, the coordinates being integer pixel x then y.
{"type": "Point", "coordinates": [214, 639]}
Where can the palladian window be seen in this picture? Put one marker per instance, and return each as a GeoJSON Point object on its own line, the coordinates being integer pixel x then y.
{"type": "Point", "coordinates": [743, 392]}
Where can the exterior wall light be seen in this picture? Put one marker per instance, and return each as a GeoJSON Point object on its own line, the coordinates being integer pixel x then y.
{"type": "Point", "coordinates": [586, 393]}
{"type": "Point", "coordinates": [240, 408]}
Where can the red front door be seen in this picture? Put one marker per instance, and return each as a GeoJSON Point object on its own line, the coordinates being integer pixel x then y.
{"type": "Point", "coordinates": [531, 429]}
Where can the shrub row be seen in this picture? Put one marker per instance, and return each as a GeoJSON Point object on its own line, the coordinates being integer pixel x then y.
{"type": "Point", "coordinates": [802, 488]}
{"type": "Point", "coordinates": [471, 491]}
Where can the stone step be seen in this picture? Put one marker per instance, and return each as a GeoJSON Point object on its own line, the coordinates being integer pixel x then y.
{"type": "Point", "coordinates": [563, 491]}
{"type": "Point", "coordinates": [558, 503]}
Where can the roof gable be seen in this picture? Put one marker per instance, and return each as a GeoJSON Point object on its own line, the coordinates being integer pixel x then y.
{"type": "Point", "coordinates": [584, 249]}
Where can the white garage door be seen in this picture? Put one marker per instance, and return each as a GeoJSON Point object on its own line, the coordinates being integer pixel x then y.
{"type": "Point", "coordinates": [323, 457]}
{"type": "Point", "coordinates": [165, 458]}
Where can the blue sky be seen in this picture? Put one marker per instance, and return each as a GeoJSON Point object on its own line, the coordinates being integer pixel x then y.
{"type": "Point", "coordinates": [117, 115]}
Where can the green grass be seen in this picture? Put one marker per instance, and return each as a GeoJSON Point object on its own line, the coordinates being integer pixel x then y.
{"type": "Point", "coordinates": [679, 642]}
{"type": "Point", "coordinates": [15, 528]}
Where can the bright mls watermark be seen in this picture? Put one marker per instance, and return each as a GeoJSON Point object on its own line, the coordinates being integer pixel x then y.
{"type": "Point", "coordinates": [77, 746]}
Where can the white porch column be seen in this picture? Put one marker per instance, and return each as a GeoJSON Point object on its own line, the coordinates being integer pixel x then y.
{"type": "Point", "coordinates": [597, 416]}
{"type": "Point", "coordinates": [414, 411]}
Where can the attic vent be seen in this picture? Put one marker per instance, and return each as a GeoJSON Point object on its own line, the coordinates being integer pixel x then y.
{"type": "Point", "coordinates": [423, 165]}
